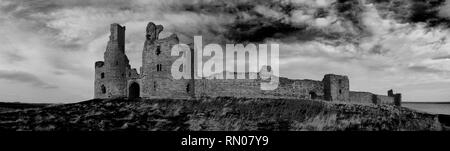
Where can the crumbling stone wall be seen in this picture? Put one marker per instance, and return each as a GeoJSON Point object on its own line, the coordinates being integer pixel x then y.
{"type": "Point", "coordinates": [303, 89]}
{"type": "Point", "coordinates": [251, 88]}
{"type": "Point", "coordinates": [157, 81]}
{"type": "Point", "coordinates": [227, 87]}
{"type": "Point", "coordinates": [383, 99]}
{"type": "Point", "coordinates": [361, 97]}
{"type": "Point", "coordinates": [111, 80]}
{"type": "Point", "coordinates": [99, 86]}
{"type": "Point", "coordinates": [367, 97]}
{"type": "Point", "coordinates": [312, 89]}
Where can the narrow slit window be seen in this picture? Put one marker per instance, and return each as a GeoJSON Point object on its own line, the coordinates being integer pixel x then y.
{"type": "Point", "coordinates": [188, 88]}
{"type": "Point", "coordinates": [158, 50]}
{"type": "Point", "coordinates": [158, 67]}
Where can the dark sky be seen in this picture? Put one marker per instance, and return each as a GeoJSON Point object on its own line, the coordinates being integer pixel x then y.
{"type": "Point", "coordinates": [49, 47]}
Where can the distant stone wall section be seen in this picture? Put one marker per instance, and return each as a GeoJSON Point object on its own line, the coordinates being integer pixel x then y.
{"type": "Point", "coordinates": [114, 77]}
{"type": "Point", "coordinates": [361, 97]}
{"type": "Point", "coordinates": [367, 97]}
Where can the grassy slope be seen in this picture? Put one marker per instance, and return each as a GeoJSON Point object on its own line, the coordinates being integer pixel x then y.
{"type": "Point", "coordinates": [217, 114]}
{"type": "Point", "coordinates": [11, 106]}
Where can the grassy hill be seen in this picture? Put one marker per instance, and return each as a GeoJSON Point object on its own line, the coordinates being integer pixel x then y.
{"type": "Point", "coordinates": [11, 106]}
{"type": "Point", "coordinates": [235, 114]}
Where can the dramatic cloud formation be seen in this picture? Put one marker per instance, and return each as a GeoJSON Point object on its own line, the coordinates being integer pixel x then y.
{"type": "Point", "coordinates": [444, 10]}
{"type": "Point", "coordinates": [49, 46]}
{"type": "Point", "coordinates": [26, 78]}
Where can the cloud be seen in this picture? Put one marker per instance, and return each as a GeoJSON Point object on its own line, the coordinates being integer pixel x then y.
{"type": "Point", "coordinates": [424, 69]}
{"type": "Point", "coordinates": [430, 12]}
{"type": "Point", "coordinates": [379, 44]}
{"type": "Point", "coordinates": [442, 57]}
{"type": "Point", "coordinates": [444, 10]}
{"type": "Point", "coordinates": [256, 21]}
{"type": "Point", "coordinates": [12, 55]}
{"type": "Point", "coordinates": [24, 77]}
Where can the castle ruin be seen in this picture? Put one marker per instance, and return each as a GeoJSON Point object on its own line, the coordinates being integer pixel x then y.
{"type": "Point", "coordinates": [114, 77]}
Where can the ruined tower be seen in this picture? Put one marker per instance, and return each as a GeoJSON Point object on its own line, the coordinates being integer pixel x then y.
{"type": "Point", "coordinates": [111, 75]}
{"type": "Point", "coordinates": [397, 97]}
{"type": "Point", "coordinates": [336, 88]}
{"type": "Point", "coordinates": [157, 81]}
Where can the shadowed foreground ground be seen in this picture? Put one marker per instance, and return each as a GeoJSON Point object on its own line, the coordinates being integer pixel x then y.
{"type": "Point", "coordinates": [215, 114]}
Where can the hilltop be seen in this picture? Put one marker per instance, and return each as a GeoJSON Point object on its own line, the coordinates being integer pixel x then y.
{"type": "Point", "coordinates": [235, 114]}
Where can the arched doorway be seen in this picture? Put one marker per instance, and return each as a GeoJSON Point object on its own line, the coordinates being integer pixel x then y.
{"type": "Point", "coordinates": [133, 91]}
{"type": "Point", "coordinates": [312, 95]}
{"type": "Point", "coordinates": [103, 88]}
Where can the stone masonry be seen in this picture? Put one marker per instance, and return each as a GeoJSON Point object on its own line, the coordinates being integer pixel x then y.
{"type": "Point", "coordinates": [114, 77]}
